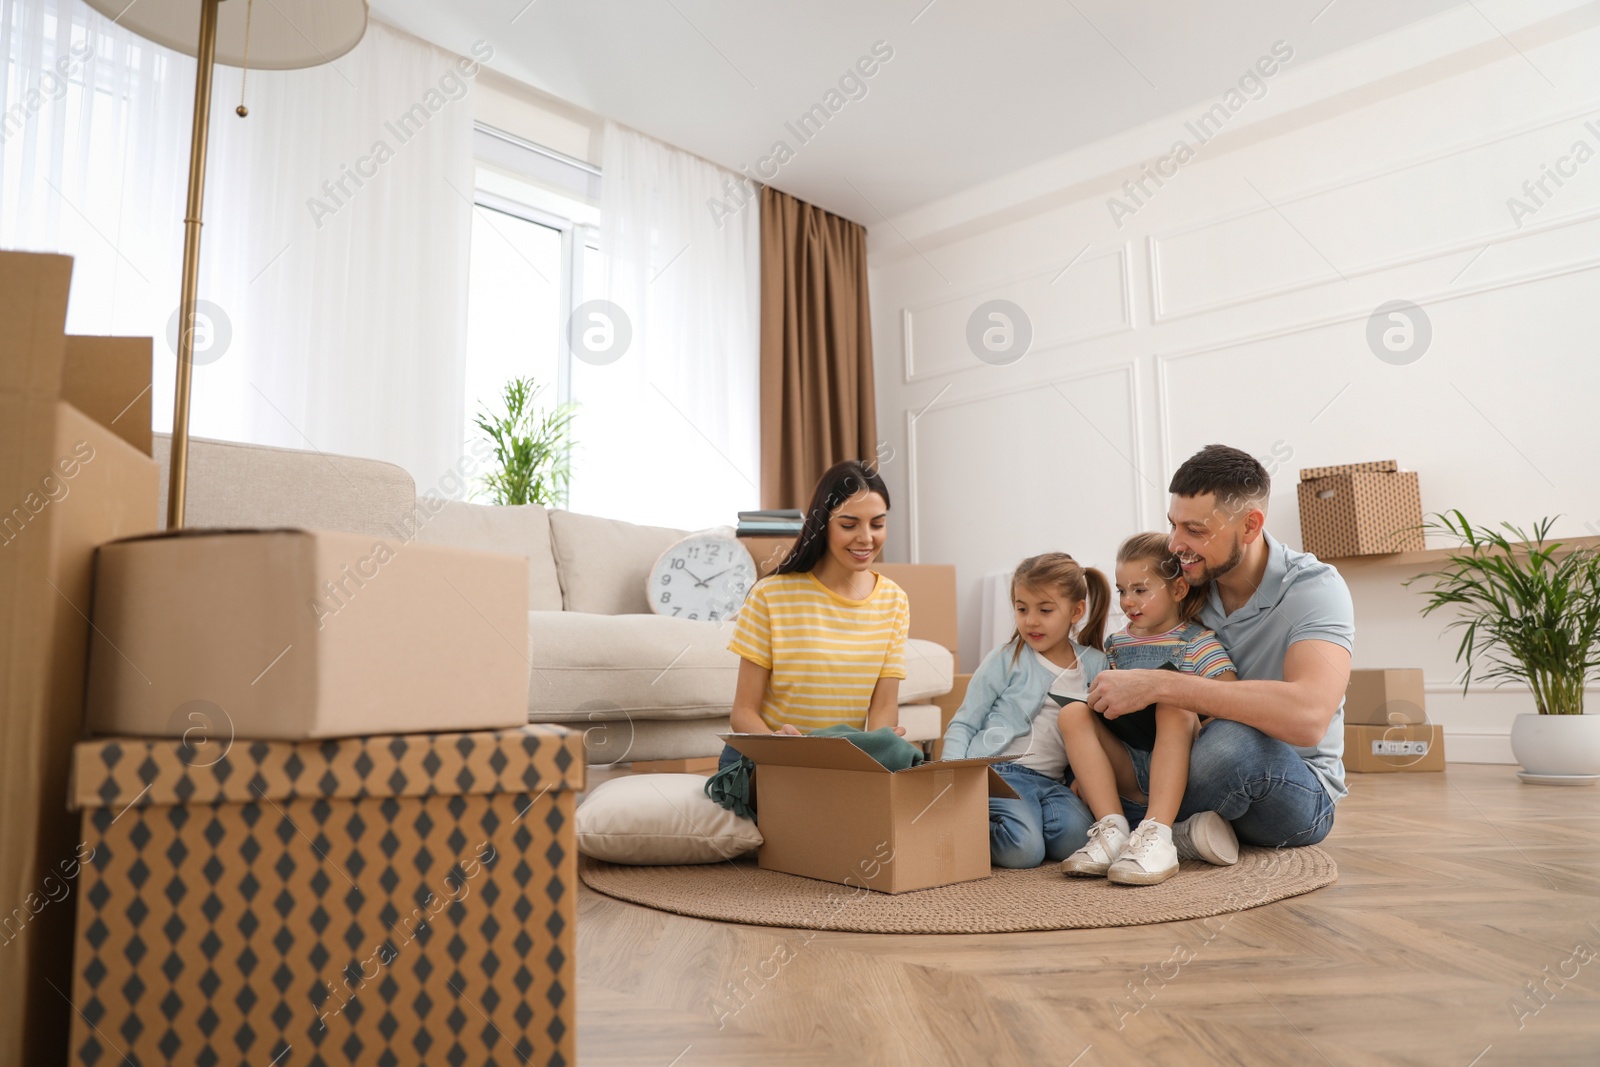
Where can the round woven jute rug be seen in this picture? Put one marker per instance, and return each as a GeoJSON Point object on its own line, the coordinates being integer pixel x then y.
{"type": "Point", "coordinates": [1005, 902]}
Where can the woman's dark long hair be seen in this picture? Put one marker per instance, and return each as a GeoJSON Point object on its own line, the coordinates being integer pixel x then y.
{"type": "Point", "coordinates": [838, 483]}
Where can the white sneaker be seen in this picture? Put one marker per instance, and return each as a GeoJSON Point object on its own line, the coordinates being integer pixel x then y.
{"type": "Point", "coordinates": [1106, 840]}
{"type": "Point", "coordinates": [1206, 836]}
{"type": "Point", "coordinates": [1149, 857]}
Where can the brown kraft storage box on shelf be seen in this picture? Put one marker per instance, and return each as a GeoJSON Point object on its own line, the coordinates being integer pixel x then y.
{"type": "Point", "coordinates": [75, 470]}
{"type": "Point", "coordinates": [404, 899]}
{"type": "Point", "coordinates": [1360, 509]}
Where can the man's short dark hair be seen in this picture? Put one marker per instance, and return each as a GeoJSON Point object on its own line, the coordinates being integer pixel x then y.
{"type": "Point", "coordinates": [1234, 476]}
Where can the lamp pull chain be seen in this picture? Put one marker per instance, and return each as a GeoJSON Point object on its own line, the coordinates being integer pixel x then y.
{"type": "Point", "coordinates": [244, 77]}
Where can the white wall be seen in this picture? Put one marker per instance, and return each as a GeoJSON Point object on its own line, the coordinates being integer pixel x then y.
{"type": "Point", "coordinates": [1233, 306]}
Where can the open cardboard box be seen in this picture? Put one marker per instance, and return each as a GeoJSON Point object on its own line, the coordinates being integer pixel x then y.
{"type": "Point", "coordinates": [827, 810]}
{"type": "Point", "coordinates": [75, 470]}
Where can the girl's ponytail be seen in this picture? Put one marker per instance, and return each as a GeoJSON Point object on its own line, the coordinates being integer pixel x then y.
{"type": "Point", "coordinates": [1093, 631]}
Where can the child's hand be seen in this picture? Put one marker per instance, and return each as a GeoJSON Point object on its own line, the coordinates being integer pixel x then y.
{"type": "Point", "coordinates": [788, 728]}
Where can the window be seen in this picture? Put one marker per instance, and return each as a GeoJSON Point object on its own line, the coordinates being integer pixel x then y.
{"type": "Point", "coordinates": [534, 242]}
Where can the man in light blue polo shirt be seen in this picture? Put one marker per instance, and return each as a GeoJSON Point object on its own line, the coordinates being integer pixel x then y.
{"type": "Point", "coordinates": [1270, 761]}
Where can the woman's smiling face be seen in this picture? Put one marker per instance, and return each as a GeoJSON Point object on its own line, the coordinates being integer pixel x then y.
{"type": "Point", "coordinates": [856, 531]}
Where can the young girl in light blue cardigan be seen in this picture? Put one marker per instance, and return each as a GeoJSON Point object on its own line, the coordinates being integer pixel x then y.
{"type": "Point", "coordinates": [1038, 670]}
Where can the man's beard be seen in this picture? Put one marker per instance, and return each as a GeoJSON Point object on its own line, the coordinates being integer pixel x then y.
{"type": "Point", "coordinates": [1211, 574]}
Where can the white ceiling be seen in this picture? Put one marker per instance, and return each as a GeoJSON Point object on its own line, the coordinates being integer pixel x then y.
{"type": "Point", "coordinates": [973, 91]}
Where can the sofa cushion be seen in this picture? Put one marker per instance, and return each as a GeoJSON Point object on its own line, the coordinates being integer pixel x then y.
{"type": "Point", "coordinates": [605, 564]}
{"type": "Point", "coordinates": [515, 530]}
{"type": "Point", "coordinates": [589, 668]}
{"type": "Point", "coordinates": [660, 819]}
{"type": "Point", "coordinates": [232, 484]}
{"type": "Point", "coordinates": [930, 671]}
{"type": "Point", "coordinates": [921, 722]}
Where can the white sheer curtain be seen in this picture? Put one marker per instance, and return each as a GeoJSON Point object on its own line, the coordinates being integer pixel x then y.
{"type": "Point", "coordinates": [346, 320]}
{"type": "Point", "coordinates": [668, 433]}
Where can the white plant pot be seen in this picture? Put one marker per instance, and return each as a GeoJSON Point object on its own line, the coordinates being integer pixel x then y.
{"type": "Point", "coordinates": [1557, 745]}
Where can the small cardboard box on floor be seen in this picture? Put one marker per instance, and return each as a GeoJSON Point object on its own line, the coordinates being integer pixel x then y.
{"type": "Point", "coordinates": [827, 810]}
{"type": "Point", "coordinates": [1386, 723]}
{"type": "Point", "coordinates": [1409, 747]}
{"type": "Point", "coordinates": [1388, 697]}
{"type": "Point", "coordinates": [75, 470]}
{"type": "Point", "coordinates": [1360, 509]}
{"type": "Point", "coordinates": [402, 899]}
{"type": "Point", "coordinates": [296, 634]}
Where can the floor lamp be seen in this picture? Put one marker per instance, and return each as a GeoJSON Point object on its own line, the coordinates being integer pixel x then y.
{"type": "Point", "coordinates": [278, 35]}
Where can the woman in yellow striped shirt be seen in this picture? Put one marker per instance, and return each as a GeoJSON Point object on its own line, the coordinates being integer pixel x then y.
{"type": "Point", "coordinates": [822, 639]}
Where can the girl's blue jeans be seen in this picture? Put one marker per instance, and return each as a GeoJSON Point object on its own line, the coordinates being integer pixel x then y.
{"type": "Point", "coordinates": [1046, 822]}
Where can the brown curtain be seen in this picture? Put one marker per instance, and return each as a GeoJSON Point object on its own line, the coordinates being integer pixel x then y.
{"type": "Point", "coordinates": [817, 405]}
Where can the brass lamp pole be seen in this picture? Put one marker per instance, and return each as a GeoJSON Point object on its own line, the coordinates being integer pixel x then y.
{"type": "Point", "coordinates": [178, 472]}
{"type": "Point", "coordinates": [281, 35]}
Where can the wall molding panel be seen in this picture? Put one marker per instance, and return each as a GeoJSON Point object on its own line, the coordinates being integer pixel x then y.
{"type": "Point", "coordinates": [1165, 265]}
{"type": "Point", "coordinates": [934, 333]}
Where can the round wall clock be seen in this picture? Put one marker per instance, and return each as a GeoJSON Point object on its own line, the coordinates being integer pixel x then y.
{"type": "Point", "coordinates": [705, 576]}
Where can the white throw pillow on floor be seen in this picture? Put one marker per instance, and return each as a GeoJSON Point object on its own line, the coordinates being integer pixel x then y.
{"type": "Point", "coordinates": [661, 819]}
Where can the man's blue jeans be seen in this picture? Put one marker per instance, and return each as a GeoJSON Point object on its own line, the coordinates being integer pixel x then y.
{"type": "Point", "coordinates": [1256, 782]}
{"type": "Point", "coordinates": [1047, 822]}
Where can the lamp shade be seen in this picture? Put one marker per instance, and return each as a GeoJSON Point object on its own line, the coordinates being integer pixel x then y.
{"type": "Point", "coordinates": [284, 34]}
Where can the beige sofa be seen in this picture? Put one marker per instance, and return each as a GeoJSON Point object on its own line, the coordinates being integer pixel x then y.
{"type": "Point", "coordinates": [640, 686]}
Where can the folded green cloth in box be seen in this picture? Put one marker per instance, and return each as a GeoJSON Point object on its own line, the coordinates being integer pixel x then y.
{"type": "Point", "coordinates": [733, 787]}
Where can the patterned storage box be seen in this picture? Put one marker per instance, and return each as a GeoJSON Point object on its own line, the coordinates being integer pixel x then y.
{"type": "Point", "coordinates": [374, 900]}
{"type": "Point", "coordinates": [1360, 509]}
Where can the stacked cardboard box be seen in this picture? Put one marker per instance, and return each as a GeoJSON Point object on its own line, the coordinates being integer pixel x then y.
{"type": "Point", "coordinates": [1360, 509]}
{"type": "Point", "coordinates": [400, 899]}
{"type": "Point", "coordinates": [75, 470]}
{"type": "Point", "coordinates": [1386, 723]}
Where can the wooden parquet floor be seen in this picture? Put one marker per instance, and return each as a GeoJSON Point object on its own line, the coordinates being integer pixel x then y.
{"type": "Point", "coordinates": [1464, 931]}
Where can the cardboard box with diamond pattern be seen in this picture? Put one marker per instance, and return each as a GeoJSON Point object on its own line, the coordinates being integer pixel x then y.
{"type": "Point", "coordinates": [1360, 509]}
{"type": "Point", "coordinates": [376, 900]}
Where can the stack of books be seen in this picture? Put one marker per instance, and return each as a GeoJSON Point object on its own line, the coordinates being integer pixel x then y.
{"type": "Point", "coordinates": [773, 523]}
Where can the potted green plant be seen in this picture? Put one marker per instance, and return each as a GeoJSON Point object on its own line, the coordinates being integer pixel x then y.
{"type": "Point", "coordinates": [532, 449]}
{"type": "Point", "coordinates": [1528, 609]}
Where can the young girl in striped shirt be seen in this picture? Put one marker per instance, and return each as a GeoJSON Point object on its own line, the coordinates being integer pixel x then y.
{"type": "Point", "coordinates": [822, 639]}
{"type": "Point", "coordinates": [1161, 633]}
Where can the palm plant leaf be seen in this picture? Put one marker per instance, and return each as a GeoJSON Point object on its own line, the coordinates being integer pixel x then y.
{"type": "Point", "coordinates": [1528, 609]}
{"type": "Point", "coordinates": [532, 449]}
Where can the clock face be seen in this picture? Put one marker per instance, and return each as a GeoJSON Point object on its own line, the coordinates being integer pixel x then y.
{"type": "Point", "coordinates": [703, 577]}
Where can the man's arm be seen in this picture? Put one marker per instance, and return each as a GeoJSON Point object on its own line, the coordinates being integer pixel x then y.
{"type": "Point", "coordinates": [1296, 710]}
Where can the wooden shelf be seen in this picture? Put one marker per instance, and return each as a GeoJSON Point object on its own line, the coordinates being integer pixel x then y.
{"type": "Point", "coordinates": [1428, 557]}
